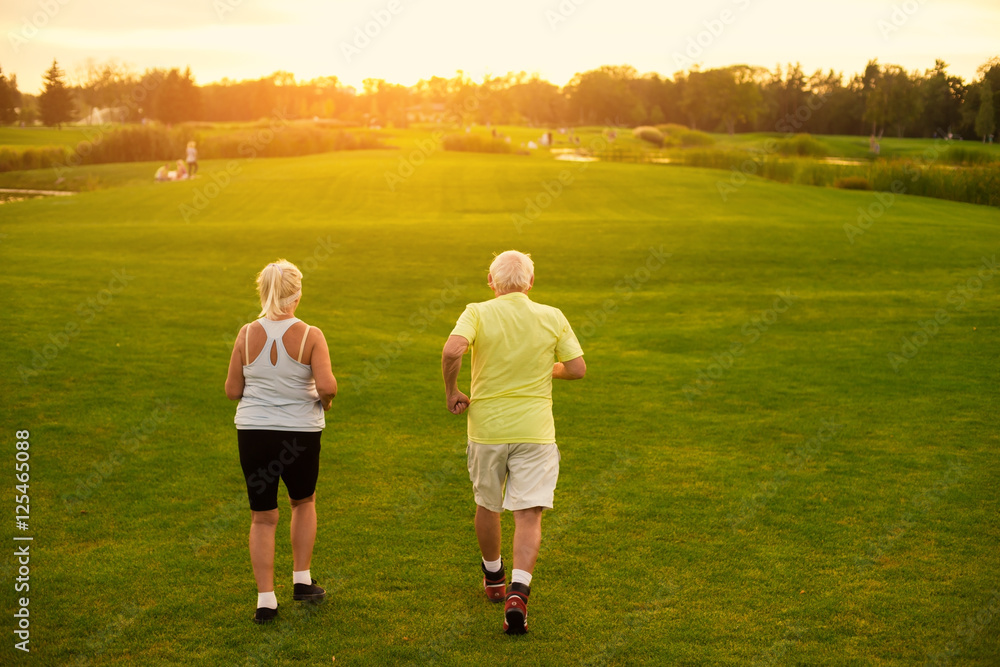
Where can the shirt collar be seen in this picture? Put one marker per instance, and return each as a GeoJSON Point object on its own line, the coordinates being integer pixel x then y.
{"type": "Point", "coordinates": [513, 295]}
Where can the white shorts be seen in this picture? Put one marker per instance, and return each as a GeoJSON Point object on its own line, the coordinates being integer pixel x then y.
{"type": "Point", "coordinates": [530, 471]}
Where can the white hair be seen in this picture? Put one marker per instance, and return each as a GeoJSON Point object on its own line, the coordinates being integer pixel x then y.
{"type": "Point", "coordinates": [512, 271]}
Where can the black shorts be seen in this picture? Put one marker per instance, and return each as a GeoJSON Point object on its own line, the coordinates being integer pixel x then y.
{"type": "Point", "coordinates": [266, 456]}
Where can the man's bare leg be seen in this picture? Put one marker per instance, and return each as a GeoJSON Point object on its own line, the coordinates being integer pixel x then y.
{"type": "Point", "coordinates": [488, 532]}
{"type": "Point", "coordinates": [527, 538]}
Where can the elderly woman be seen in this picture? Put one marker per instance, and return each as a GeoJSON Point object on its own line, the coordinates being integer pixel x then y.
{"type": "Point", "coordinates": [280, 373]}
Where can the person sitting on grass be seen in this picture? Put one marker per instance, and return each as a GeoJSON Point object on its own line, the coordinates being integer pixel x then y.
{"type": "Point", "coordinates": [279, 423]}
{"type": "Point", "coordinates": [162, 174]}
{"type": "Point", "coordinates": [182, 172]}
{"type": "Point", "coordinates": [518, 348]}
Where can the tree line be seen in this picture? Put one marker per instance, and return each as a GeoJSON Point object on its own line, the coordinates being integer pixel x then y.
{"type": "Point", "coordinates": [739, 98]}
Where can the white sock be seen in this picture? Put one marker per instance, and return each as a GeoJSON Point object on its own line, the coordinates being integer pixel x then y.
{"type": "Point", "coordinates": [267, 600]}
{"type": "Point", "coordinates": [520, 577]}
{"type": "Point", "coordinates": [493, 565]}
{"type": "Point", "coordinates": [301, 577]}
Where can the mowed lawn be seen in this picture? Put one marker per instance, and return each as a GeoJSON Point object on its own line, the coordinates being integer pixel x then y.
{"type": "Point", "coordinates": [45, 136]}
{"type": "Point", "coordinates": [747, 477]}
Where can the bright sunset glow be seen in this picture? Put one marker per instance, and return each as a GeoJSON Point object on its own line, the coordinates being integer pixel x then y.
{"type": "Point", "coordinates": [417, 39]}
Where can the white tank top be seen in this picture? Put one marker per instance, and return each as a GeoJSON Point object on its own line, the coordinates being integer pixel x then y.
{"type": "Point", "coordinates": [280, 396]}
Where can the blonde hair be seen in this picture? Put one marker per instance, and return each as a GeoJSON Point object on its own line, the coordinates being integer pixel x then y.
{"type": "Point", "coordinates": [512, 271]}
{"type": "Point", "coordinates": [191, 144]}
{"type": "Point", "coordinates": [279, 284]}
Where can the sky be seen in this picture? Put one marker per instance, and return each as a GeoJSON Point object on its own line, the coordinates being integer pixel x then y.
{"type": "Point", "coordinates": [404, 41]}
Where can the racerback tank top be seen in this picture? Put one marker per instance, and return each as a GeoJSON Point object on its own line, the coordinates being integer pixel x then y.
{"type": "Point", "coordinates": [281, 396]}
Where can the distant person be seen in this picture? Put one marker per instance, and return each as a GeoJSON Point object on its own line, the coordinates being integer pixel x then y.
{"type": "Point", "coordinates": [518, 348]}
{"type": "Point", "coordinates": [192, 159]}
{"type": "Point", "coordinates": [181, 173]}
{"type": "Point", "coordinates": [162, 174]}
{"type": "Point", "coordinates": [873, 144]}
{"type": "Point", "coordinates": [280, 373]}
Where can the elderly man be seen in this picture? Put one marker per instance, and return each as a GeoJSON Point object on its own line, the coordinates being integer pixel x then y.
{"type": "Point", "coordinates": [518, 347]}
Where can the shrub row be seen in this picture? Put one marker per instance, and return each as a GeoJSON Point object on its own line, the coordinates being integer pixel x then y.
{"type": "Point", "coordinates": [648, 134]}
{"type": "Point", "coordinates": [672, 135]}
{"type": "Point", "coordinates": [973, 185]}
{"type": "Point", "coordinates": [19, 159]}
{"type": "Point", "coordinates": [802, 145]}
{"type": "Point", "coordinates": [145, 143]}
{"type": "Point", "coordinates": [957, 154]}
{"type": "Point", "coordinates": [679, 135]}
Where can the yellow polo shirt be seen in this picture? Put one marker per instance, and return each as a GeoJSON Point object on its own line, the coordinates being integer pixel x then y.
{"type": "Point", "coordinates": [514, 342]}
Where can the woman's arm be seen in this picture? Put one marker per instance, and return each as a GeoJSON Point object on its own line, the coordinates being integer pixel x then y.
{"type": "Point", "coordinates": [326, 383]}
{"type": "Point", "coordinates": [235, 380]}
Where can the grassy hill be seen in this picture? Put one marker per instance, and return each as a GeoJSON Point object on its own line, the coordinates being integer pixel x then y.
{"type": "Point", "coordinates": [778, 455]}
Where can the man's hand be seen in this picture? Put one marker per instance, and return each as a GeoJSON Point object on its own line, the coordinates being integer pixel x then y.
{"type": "Point", "coordinates": [451, 364]}
{"type": "Point", "coordinates": [457, 403]}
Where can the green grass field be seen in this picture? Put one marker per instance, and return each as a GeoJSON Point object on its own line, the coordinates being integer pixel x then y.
{"type": "Point", "coordinates": [746, 479]}
{"type": "Point", "coordinates": [42, 136]}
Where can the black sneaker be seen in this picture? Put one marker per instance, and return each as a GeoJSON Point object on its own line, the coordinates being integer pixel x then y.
{"type": "Point", "coordinates": [265, 615]}
{"type": "Point", "coordinates": [308, 592]}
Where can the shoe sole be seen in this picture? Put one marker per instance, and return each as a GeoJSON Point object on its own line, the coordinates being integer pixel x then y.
{"type": "Point", "coordinates": [315, 599]}
{"type": "Point", "coordinates": [515, 623]}
{"type": "Point", "coordinates": [263, 621]}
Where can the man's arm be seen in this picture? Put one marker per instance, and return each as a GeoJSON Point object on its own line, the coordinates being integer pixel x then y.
{"type": "Point", "coordinates": [574, 369]}
{"type": "Point", "coordinates": [451, 364]}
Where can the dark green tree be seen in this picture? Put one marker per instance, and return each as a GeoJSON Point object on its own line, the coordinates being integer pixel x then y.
{"type": "Point", "coordinates": [902, 98]}
{"type": "Point", "coordinates": [942, 95]}
{"type": "Point", "coordinates": [603, 96]}
{"type": "Point", "coordinates": [10, 98]}
{"type": "Point", "coordinates": [174, 98]}
{"type": "Point", "coordinates": [55, 104]}
{"type": "Point", "coordinates": [985, 120]}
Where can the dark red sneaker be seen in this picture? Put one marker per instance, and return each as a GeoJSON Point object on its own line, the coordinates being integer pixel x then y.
{"type": "Point", "coordinates": [515, 611]}
{"type": "Point", "coordinates": [494, 583]}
